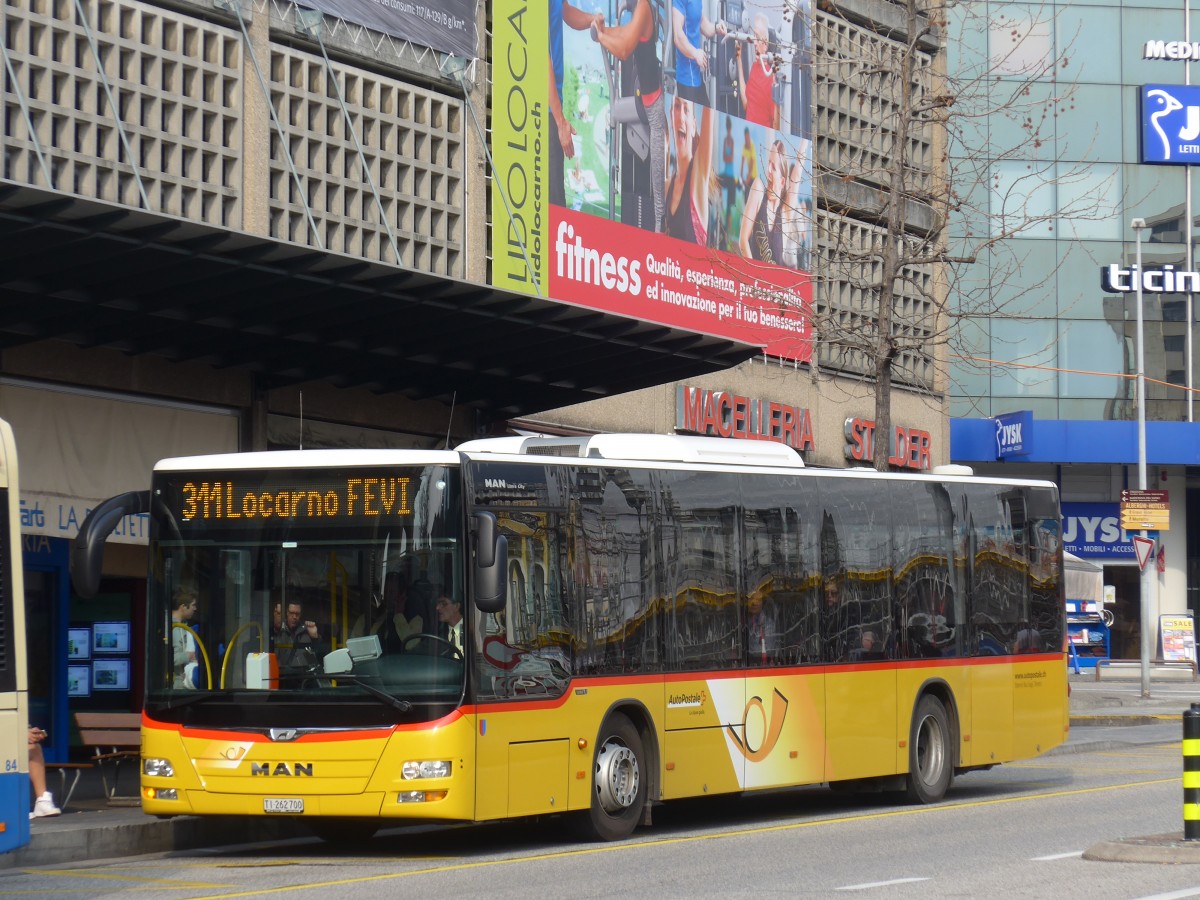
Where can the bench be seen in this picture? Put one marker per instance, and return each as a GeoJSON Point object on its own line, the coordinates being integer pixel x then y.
{"type": "Point", "coordinates": [1130, 665]}
{"type": "Point", "coordinates": [112, 739]}
{"type": "Point", "coordinates": [64, 769]}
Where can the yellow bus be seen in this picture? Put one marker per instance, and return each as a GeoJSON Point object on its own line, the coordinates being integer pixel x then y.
{"type": "Point", "coordinates": [644, 618]}
{"type": "Point", "coordinates": [14, 689]}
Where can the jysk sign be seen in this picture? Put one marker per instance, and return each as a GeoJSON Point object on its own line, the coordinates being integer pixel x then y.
{"type": "Point", "coordinates": [1014, 434]}
{"type": "Point", "coordinates": [1094, 530]}
{"type": "Point", "coordinates": [1170, 124]}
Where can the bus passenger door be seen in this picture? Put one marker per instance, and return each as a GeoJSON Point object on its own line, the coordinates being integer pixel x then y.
{"type": "Point", "coordinates": [523, 668]}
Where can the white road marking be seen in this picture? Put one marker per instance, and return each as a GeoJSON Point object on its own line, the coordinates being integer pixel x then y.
{"type": "Point", "coordinates": [879, 884]}
{"type": "Point", "coordinates": [1073, 853]}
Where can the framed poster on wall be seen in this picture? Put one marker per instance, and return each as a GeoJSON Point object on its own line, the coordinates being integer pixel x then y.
{"type": "Point", "coordinates": [110, 675]}
{"type": "Point", "coordinates": [79, 643]}
{"type": "Point", "coordinates": [110, 637]}
{"type": "Point", "coordinates": [79, 681]}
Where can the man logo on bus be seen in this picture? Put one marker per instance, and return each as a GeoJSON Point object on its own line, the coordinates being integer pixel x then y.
{"type": "Point", "coordinates": [772, 727]}
{"type": "Point", "coordinates": [282, 768]}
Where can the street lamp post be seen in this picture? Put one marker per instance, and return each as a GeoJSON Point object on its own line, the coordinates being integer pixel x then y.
{"type": "Point", "coordinates": [1147, 579]}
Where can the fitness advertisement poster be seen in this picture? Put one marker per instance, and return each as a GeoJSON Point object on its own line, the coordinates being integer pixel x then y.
{"type": "Point", "coordinates": [653, 158]}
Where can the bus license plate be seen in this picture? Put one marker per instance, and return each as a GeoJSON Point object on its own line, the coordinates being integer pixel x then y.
{"type": "Point", "coordinates": [284, 805]}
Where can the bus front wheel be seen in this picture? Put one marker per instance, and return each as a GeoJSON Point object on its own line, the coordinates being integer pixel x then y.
{"type": "Point", "coordinates": [930, 767]}
{"type": "Point", "coordinates": [618, 783]}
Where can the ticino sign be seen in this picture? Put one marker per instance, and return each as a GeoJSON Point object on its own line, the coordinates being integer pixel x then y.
{"type": "Point", "coordinates": [1168, 280]}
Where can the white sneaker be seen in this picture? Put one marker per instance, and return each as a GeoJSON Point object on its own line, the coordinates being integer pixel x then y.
{"type": "Point", "coordinates": [44, 806]}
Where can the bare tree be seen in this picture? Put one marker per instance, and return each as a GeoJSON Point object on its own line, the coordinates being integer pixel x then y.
{"type": "Point", "coordinates": [913, 188]}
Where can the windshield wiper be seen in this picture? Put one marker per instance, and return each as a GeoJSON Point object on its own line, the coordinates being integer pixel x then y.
{"type": "Point", "coordinates": [188, 699]}
{"type": "Point", "coordinates": [402, 705]}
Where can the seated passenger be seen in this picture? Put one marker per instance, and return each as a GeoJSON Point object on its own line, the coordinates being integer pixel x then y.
{"type": "Point", "coordinates": [389, 620]}
{"type": "Point", "coordinates": [870, 647]}
{"type": "Point", "coordinates": [299, 641]}
{"type": "Point", "coordinates": [449, 613]}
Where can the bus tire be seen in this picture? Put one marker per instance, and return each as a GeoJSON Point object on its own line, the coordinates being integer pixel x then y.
{"type": "Point", "coordinates": [343, 832]}
{"type": "Point", "coordinates": [618, 783]}
{"type": "Point", "coordinates": [930, 766]}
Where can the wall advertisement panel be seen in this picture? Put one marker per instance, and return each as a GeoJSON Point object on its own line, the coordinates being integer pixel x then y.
{"type": "Point", "coordinates": [446, 25]}
{"type": "Point", "coordinates": [659, 166]}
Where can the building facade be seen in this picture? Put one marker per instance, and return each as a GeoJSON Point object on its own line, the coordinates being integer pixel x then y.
{"type": "Point", "coordinates": [247, 225]}
{"type": "Point", "coordinates": [1061, 344]}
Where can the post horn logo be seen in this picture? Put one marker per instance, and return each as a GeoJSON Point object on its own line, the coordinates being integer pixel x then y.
{"type": "Point", "coordinates": [773, 723]}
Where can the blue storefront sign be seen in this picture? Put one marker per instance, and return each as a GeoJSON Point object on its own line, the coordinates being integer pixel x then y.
{"type": "Point", "coordinates": [1093, 530]}
{"type": "Point", "coordinates": [1170, 124]}
{"type": "Point", "coordinates": [1014, 434]}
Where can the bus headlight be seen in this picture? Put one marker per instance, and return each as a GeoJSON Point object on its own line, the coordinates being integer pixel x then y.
{"type": "Point", "coordinates": [155, 766]}
{"type": "Point", "coordinates": [420, 796]}
{"type": "Point", "coordinates": [427, 768]}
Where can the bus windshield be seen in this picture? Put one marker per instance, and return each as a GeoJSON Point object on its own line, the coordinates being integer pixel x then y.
{"type": "Point", "coordinates": [334, 587]}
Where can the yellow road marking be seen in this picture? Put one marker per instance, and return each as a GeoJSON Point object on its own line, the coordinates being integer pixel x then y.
{"type": "Point", "coordinates": [155, 882]}
{"type": "Point", "coordinates": [666, 842]}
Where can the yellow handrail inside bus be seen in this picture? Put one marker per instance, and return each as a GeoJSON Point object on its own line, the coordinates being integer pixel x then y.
{"type": "Point", "coordinates": [338, 574]}
{"type": "Point", "coordinates": [233, 643]}
{"type": "Point", "coordinates": [200, 644]}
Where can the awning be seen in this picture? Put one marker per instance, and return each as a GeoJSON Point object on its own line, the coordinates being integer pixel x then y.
{"type": "Point", "coordinates": [1083, 580]}
{"type": "Point", "coordinates": [100, 275]}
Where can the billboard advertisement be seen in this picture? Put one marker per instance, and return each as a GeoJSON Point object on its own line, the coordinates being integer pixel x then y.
{"type": "Point", "coordinates": [659, 165]}
{"type": "Point", "coordinates": [1170, 124]}
{"type": "Point", "coordinates": [445, 25]}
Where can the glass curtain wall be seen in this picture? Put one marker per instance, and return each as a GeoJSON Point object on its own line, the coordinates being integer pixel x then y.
{"type": "Point", "coordinates": [1056, 124]}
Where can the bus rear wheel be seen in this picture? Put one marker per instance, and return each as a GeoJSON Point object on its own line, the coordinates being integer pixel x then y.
{"type": "Point", "coordinates": [930, 766]}
{"type": "Point", "coordinates": [618, 783]}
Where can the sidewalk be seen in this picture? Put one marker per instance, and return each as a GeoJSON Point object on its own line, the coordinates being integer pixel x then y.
{"type": "Point", "coordinates": [1104, 715]}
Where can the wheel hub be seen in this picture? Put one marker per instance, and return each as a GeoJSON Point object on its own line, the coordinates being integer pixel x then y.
{"type": "Point", "coordinates": [617, 777]}
{"type": "Point", "coordinates": [930, 757]}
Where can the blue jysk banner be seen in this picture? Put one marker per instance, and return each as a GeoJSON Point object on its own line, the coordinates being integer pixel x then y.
{"type": "Point", "coordinates": [1014, 434]}
{"type": "Point", "coordinates": [1170, 124]}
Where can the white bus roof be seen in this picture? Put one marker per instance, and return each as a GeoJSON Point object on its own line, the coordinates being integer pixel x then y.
{"type": "Point", "coordinates": [653, 447]}
{"type": "Point", "coordinates": [309, 459]}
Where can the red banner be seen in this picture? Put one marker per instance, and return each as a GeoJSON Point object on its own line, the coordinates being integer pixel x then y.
{"type": "Point", "coordinates": [610, 266]}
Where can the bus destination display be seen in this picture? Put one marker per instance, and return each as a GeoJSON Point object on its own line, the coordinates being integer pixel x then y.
{"type": "Point", "coordinates": [348, 498]}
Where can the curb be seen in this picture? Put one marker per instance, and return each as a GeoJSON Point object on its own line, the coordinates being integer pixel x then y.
{"type": "Point", "coordinates": [1155, 719]}
{"type": "Point", "coordinates": [1159, 848]}
{"type": "Point", "coordinates": [150, 836]}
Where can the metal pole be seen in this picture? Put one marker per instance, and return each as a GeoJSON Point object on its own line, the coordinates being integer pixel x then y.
{"type": "Point", "coordinates": [1139, 225]}
{"type": "Point", "coordinates": [1187, 220]}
